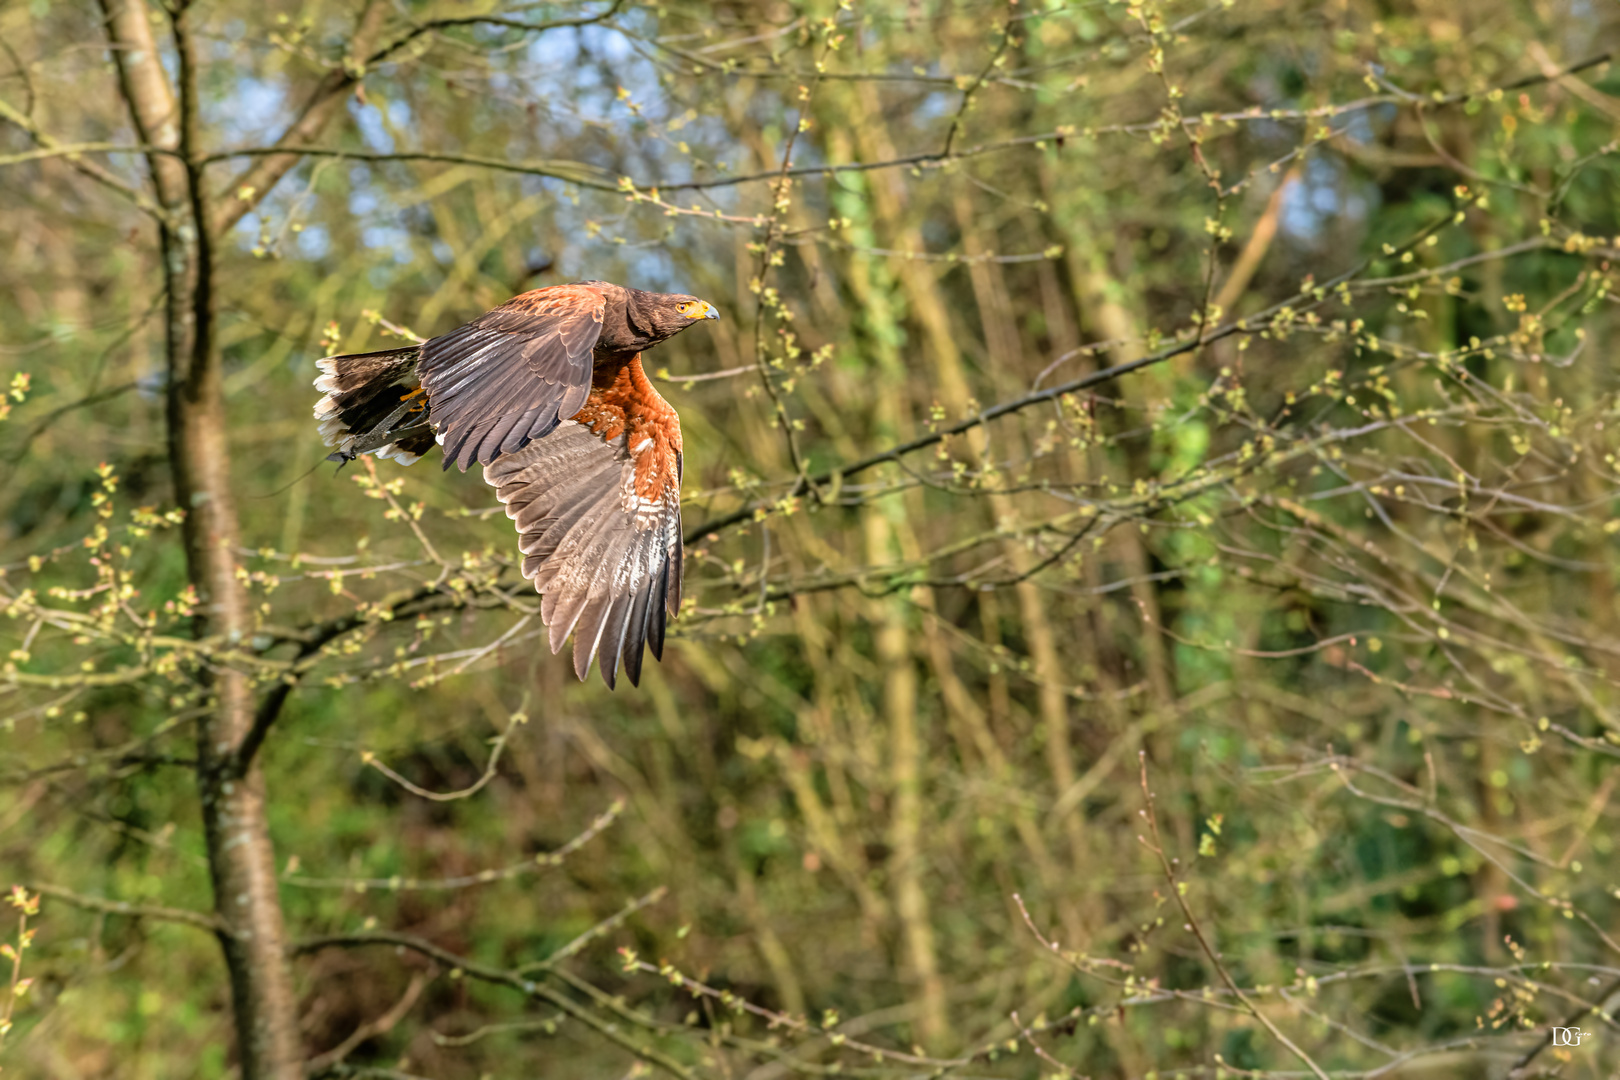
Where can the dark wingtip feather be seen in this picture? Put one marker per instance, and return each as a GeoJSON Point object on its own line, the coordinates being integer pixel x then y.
{"type": "Point", "coordinates": [635, 638]}
{"type": "Point", "coordinates": [677, 568]}
{"type": "Point", "coordinates": [468, 454]}
{"type": "Point", "coordinates": [603, 581]}
{"type": "Point", "coordinates": [582, 656]}
{"type": "Point", "coordinates": [489, 444]}
{"type": "Point", "coordinates": [614, 630]}
{"type": "Point", "coordinates": [454, 440]}
{"type": "Point", "coordinates": [655, 614]}
{"type": "Point", "coordinates": [590, 631]}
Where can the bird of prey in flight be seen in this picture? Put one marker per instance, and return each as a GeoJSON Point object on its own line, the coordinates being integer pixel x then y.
{"type": "Point", "coordinates": [547, 394]}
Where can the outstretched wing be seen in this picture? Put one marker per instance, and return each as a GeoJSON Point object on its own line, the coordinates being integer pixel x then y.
{"type": "Point", "coordinates": [512, 375]}
{"type": "Point", "coordinates": [597, 506]}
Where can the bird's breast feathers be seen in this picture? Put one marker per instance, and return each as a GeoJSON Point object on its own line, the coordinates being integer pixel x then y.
{"type": "Point", "coordinates": [631, 409]}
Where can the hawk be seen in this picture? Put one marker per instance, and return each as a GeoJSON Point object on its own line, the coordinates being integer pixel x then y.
{"type": "Point", "coordinates": [547, 394]}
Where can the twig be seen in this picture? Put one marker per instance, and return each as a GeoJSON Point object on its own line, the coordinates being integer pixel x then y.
{"type": "Point", "coordinates": [400, 512]}
{"type": "Point", "coordinates": [541, 861]}
{"type": "Point", "coordinates": [387, 51]}
{"type": "Point", "coordinates": [477, 654]}
{"type": "Point", "coordinates": [1518, 1070]}
{"type": "Point", "coordinates": [612, 922]}
{"type": "Point", "coordinates": [371, 1028]}
{"type": "Point", "coordinates": [548, 1025]}
{"type": "Point", "coordinates": [519, 717]}
{"type": "Point", "coordinates": [1041, 1051]}
{"type": "Point", "coordinates": [51, 417]}
{"type": "Point", "coordinates": [49, 147]}
{"type": "Point", "coordinates": [201, 920]}
{"type": "Point", "coordinates": [26, 905]}
{"type": "Point", "coordinates": [1179, 892]}
{"type": "Point", "coordinates": [313, 639]}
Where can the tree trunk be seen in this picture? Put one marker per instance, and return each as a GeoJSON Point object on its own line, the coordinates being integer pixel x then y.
{"type": "Point", "coordinates": [240, 857]}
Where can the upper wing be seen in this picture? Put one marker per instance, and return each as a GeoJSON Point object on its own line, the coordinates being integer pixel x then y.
{"type": "Point", "coordinates": [513, 374]}
{"type": "Point", "coordinates": [597, 506]}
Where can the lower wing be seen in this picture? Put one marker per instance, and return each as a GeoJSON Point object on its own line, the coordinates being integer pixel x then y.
{"type": "Point", "coordinates": [597, 506]}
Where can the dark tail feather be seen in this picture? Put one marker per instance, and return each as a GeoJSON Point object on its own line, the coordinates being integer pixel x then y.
{"type": "Point", "coordinates": [374, 404]}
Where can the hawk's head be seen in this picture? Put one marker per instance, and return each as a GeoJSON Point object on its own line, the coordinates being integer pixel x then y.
{"type": "Point", "coordinates": [670, 313]}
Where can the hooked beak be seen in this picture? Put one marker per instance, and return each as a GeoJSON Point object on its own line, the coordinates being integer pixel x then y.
{"type": "Point", "coordinates": [709, 311]}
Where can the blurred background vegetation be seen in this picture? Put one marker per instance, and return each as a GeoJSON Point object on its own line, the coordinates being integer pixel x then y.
{"type": "Point", "coordinates": [1330, 569]}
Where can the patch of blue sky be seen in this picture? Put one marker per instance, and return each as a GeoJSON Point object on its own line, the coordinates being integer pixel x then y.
{"type": "Point", "coordinates": [373, 132]}
{"type": "Point", "coordinates": [1325, 201]}
{"type": "Point", "coordinates": [314, 242]}
{"type": "Point", "coordinates": [247, 229]}
{"type": "Point", "coordinates": [606, 42]}
{"type": "Point", "coordinates": [567, 66]}
{"type": "Point", "coordinates": [936, 106]}
{"type": "Point", "coordinates": [1357, 206]}
{"type": "Point", "coordinates": [389, 238]}
{"type": "Point", "coordinates": [553, 51]}
{"type": "Point", "coordinates": [251, 113]}
{"type": "Point", "coordinates": [271, 213]}
{"type": "Point", "coordinates": [1357, 126]}
{"type": "Point", "coordinates": [1300, 214]}
{"type": "Point", "coordinates": [705, 130]}
{"type": "Point", "coordinates": [400, 114]}
{"type": "Point", "coordinates": [653, 268]}
{"type": "Point", "coordinates": [363, 200]}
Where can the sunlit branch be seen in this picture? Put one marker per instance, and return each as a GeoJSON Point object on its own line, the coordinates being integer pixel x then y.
{"type": "Point", "coordinates": [496, 749]}
{"type": "Point", "coordinates": [1178, 891]}
{"type": "Point", "coordinates": [1247, 325]}
{"type": "Point", "coordinates": [50, 147]}
{"type": "Point", "coordinates": [546, 860]}
{"type": "Point", "coordinates": [428, 598]}
{"type": "Point", "coordinates": [383, 54]}
{"type": "Point", "coordinates": [200, 919]}
{"type": "Point", "coordinates": [572, 172]}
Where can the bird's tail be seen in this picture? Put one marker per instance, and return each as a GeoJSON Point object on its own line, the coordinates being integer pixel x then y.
{"type": "Point", "coordinates": [374, 404]}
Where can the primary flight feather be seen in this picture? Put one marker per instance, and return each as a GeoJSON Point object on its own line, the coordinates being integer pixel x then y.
{"type": "Point", "coordinates": [547, 393]}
